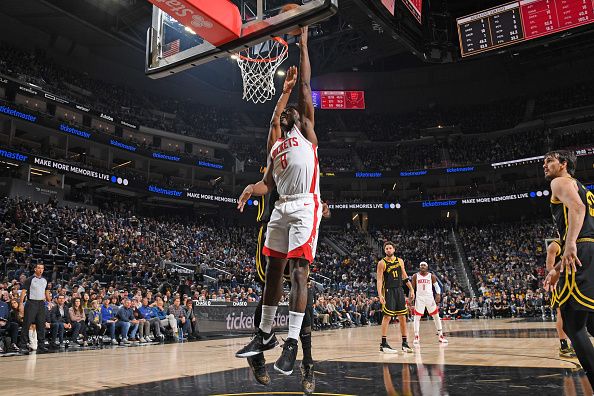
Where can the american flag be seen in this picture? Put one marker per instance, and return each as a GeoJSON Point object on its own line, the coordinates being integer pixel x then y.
{"type": "Point", "coordinates": [171, 48]}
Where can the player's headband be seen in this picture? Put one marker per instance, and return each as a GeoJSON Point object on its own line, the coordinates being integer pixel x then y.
{"type": "Point", "coordinates": [423, 263]}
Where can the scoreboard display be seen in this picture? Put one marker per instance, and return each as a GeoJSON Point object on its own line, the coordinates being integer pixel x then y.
{"type": "Point", "coordinates": [339, 100]}
{"type": "Point", "coordinates": [520, 21]}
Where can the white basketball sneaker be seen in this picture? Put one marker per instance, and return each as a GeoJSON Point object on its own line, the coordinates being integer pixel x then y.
{"type": "Point", "coordinates": [443, 340]}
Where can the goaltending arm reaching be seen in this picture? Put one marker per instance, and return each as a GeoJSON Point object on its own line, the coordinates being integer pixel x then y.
{"type": "Point", "coordinates": [306, 108]}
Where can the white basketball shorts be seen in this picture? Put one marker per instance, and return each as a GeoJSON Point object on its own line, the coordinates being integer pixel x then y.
{"type": "Point", "coordinates": [292, 231]}
{"type": "Point", "coordinates": [425, 302]}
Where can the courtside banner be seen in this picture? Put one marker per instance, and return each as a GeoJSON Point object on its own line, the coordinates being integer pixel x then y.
{"type": "Point", "coordinates": [233, 317]}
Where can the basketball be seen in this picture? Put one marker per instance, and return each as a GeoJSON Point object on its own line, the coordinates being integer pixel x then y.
{"type": "Point", "coordinates": [289, 7]}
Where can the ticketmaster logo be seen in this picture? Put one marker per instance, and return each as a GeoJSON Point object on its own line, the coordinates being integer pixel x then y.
{"type": "Point", "coordinates": [246, 322]}
{"type": "Point", "coordinates": [164, 191]}
{"type": "Point", "coordinates": [121, 145]}
{"type": "Point", "coordinates": [166, 157]}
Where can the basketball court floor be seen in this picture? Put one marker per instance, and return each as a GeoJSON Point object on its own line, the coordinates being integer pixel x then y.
{"type": "Point", "coordinates": [487, 357]}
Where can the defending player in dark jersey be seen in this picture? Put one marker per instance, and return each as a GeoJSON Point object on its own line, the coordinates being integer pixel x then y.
{"type": "Point", "coordinates": [391, 275]}
{"type": "Point", "coordinates": [553, 258]}
{"type": "Point", "coordinates": [572, 207]}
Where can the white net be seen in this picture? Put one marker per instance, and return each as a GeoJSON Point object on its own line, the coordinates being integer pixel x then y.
{"type": "Point", "coordinates": [258, 67]}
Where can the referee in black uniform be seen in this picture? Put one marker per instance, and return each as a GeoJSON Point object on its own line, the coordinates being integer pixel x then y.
{"type": "Point", "coordinates": [36, 290]}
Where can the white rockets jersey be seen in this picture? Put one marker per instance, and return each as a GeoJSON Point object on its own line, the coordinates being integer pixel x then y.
{"type": "Point", "coordinates": [295, 164]}
{"type": "Point", "coordinates": [424, 285]}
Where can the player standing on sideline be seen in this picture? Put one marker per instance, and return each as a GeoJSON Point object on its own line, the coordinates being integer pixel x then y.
{"type": "Point", "coordinates": [424, 282]}
{"type": "Point", "coordinates": [390, 276]}
{"type": "Point", "coordinates": [553, 258]}
{"type": "Point", "coordinates": [572, 207]}
{"type": "Point", "coordinates": [292, 232]}
{"type": "Point", "coordinates": [258, 362]}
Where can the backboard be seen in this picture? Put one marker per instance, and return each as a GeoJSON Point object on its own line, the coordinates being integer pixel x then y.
{"type": "Point", "coordinates": [173, 47]}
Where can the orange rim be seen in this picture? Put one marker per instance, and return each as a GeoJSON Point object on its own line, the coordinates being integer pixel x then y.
{"type": "Point", "coordinates": [265, 60]}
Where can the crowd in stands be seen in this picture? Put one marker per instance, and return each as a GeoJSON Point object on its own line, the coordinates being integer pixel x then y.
{"type": "Point", "coordinates": [475, 150]}
{"type": "Point", "coordinates": [401, 157]}
{"type": "Point", "coordinates": [558, 99]}
{"type": "Point", "coordinates": [111, 270]}
{"type": "Point", "coordinates": [218, 124]}
{"type": "Point", "coordinates": [507, 263]}
{"type": "Point", "coordinates": [141, 108]}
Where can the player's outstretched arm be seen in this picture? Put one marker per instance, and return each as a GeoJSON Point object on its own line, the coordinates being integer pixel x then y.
{"type": "Point", "coordinates": [259, 189]}
{"type": "Point", "coordinates": [306, 108]}
{"type": "Point", "coordinates": [274, 133]}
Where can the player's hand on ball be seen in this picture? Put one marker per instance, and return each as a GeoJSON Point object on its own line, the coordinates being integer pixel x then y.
{"type": "Point", "coordinates": [243, 198]}
{"type": "Point", "coordinates": [290, 80]}
{"type": "Point", "coordinates": [570, 258]}
{"type": "Point", "coordinates": [304, 32]}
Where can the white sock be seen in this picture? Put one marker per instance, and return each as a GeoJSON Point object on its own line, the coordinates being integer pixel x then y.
{"type": "Point", "coordinates": [437, 321]}
{"type": "Point", "coordinates": [417, 324]}
{"type": "Point", "coordinates": [268, 314]}
{"type": "Point", "coordinates": [295, 321]}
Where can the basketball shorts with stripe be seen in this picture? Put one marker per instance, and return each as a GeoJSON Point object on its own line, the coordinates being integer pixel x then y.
{"type": "Point", "coordinates": [292, 231]}
{"type": "Point", "coordinates": [395, 302]}
{"type": "Point", "coordinates": [577, 288]}
{"type": "Point", "coordinates": [424, 302]}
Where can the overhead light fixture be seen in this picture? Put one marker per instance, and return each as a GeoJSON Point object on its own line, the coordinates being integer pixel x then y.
{"type": "Point", "coordinates": [36, 174]}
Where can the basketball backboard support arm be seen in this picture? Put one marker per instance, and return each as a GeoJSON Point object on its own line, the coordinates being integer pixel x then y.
{"type": "Point", "coordinates": [171, 48]}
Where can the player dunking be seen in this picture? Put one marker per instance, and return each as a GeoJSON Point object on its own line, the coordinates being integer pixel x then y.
{"type": "Point", "coordinates": [292, 233]}
{"type": "Point", "coordinates": [424, 282]}
{"type": "Point", "coordinates": [572, 207]}
{"type": "Point", "coordinates": [390, 277]}
{"type": "Point", "coordinates": [258, 362]}
{"type": "Point", "coordinates": [553, 258]}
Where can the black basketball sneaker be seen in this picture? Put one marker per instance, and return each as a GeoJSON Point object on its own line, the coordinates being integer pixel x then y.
{"type": "Point", "coordinates": [284, 364]}
{"type": "Point", "coordinates": [386, 348]}
{"type": "Point", "coordinates": [308, 381]}
{"type": "Point", "coordinates": [406, 348]}
{"type": "Point", "coordinates": [260, 342]}
{"type": "Point", "coordinates": [258, 366]}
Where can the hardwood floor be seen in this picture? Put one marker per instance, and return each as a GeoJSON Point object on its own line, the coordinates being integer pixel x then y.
{"type": "Point", "coordinates": [475, 347]}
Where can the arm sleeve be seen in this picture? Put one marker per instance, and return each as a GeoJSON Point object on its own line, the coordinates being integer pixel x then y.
{"type": "Point", "coordinates": [437, 288]}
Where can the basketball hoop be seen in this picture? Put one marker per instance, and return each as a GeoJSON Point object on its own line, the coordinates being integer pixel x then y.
{"type": "Point", "coordinates": [258, 66]}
